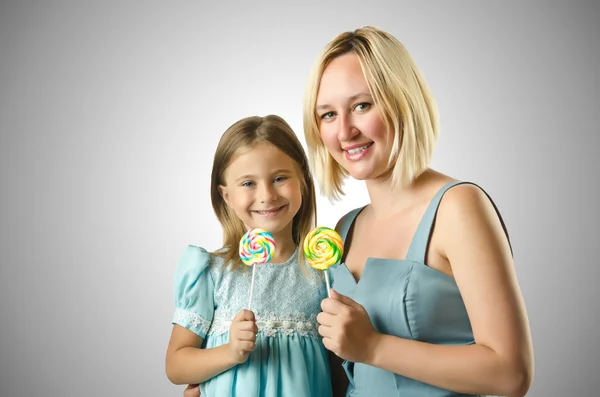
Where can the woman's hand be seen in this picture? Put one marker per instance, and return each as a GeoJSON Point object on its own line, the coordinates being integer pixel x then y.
{"type": "Point", "coordinates": [346, 329]}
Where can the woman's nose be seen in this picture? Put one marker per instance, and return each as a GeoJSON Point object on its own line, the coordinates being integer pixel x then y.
{"type": "Point", "coordinates": [346, 130]}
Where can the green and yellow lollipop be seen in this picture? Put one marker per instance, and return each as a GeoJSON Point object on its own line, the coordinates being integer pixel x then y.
{"type": "Point", "coordinates": [323, 248]}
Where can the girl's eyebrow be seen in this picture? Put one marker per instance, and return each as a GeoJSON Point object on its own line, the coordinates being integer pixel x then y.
{"type": "Point", "coordinates": [350, 99]}
{"type": "Point", "coordinates": [277, 171]}
{"type": "Point", "coordinates": [282, 171]}
{"type": "Point", "coordinates": [245, 177]}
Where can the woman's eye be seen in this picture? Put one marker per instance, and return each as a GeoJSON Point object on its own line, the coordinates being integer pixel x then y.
{"type": "Point", "coordinates": [362, 106]}
{"type": "Point", "coordinates": [327, 115]}
{"type": "Point", "coordinates": [247, 184]}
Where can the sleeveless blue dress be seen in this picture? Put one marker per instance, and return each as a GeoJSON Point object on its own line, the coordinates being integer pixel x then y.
{"type": "Point", "coordinates": [408, 299]}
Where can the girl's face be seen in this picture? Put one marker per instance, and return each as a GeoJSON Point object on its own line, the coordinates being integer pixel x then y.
{"type": "Point", "coordinates": [350, 123]}
{"type": "Point", "coordinates": [263, 187]}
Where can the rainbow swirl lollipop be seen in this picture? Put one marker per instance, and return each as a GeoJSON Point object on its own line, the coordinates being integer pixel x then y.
{"type": "Point", "coordinates": [323, 247]}
{"type": "Point", "coordinates": [256, 247]}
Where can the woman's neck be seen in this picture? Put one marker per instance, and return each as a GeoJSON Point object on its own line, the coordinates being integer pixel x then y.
{"type": "Point", "coordinates": [385, 199]}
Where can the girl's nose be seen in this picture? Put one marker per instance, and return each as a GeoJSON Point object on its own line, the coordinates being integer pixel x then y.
{"type": "Point", "coordinates": [268, 194]}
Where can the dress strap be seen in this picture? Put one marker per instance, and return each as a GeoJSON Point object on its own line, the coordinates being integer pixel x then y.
{"type": "Point", "coordinates": [417, 251]}
{"type": "Point", "coordinates": [347, 222]}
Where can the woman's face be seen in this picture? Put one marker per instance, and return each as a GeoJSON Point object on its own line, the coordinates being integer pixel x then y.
{"type": "Point", "coordinates": [350, 124]}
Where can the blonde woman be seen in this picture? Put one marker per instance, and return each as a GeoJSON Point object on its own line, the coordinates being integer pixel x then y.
{"type": "Point", "coordinates": [426, 299]}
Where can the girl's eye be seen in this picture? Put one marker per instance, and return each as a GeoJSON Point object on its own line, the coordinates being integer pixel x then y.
{"type": "Point", "coordinates": [362, 106]}
{"type": "Point", "coordinates": [280, 179]}
{"type": "Point", "coordinates": [247, 184]}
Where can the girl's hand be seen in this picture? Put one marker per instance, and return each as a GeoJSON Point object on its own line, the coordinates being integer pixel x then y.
{"type": "Point", "coordinates": [191, 391]}
{"type": "Point", "coordinates": [242, 336]}
{"type": "Point", "coordinates": [346, 329]}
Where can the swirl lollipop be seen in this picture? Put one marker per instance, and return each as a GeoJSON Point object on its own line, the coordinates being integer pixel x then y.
{"type": "Point", "coordinates": [256, 248]}
{"type": "Point", "coordinates": [323, 247]}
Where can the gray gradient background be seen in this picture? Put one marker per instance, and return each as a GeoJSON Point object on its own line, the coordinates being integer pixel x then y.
{"type": "Point", "coordinates": [110, 113]}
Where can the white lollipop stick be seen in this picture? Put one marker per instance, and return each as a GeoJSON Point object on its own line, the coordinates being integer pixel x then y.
{"type": "Point", "coordinates": [251, 285]}
{"type": "Point", "coordinates": [327, 281]}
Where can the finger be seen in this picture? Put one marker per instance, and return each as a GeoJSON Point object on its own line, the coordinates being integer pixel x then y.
{"type": "Point", "coordinates": [329, 345]}
{"type": "Point", "coordinates": [326, 319]}
{"type": "Point", "coordinates": [334, 306]}
{"type": "Point", "coordinates": [325, 332]}
{"type": "Point", "coordinates": [247, 326]}
{"type": "Point", "coordinates": [246, 336]}
{"type": "Point", "coordinates": [238, 317]}
{"type": "Point", "coordinates": [248, 315]}
{"type": "Point", "coordinates": [344, 299]}
{"type": "Point", "coordinates": [247, 346]}
{"type": "Point", "coordinates": [244, 315]}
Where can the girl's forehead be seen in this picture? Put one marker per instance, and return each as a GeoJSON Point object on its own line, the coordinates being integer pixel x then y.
{"type": "Point", "coordinates": [259, 149]}
{"type": "Point", "coordinates": [261, 157]}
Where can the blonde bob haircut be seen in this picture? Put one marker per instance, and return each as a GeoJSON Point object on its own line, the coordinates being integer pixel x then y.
{"type": "Point", "coordinates": [240, 137]}
{"type": "Point", "coordinates": [401, 96]}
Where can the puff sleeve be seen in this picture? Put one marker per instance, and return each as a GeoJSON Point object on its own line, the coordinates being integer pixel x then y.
{"type": "Point", "coordinates": [194, 291]}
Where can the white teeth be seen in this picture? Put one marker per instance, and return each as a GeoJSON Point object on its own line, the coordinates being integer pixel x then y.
{"type": "Point", "coordinates": [268, 212]}
{"type": "Point", "coordinates": [358, 149]}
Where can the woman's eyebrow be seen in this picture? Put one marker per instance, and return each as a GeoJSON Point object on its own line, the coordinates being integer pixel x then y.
{"type": "Point", "coordinates": [350, 99]}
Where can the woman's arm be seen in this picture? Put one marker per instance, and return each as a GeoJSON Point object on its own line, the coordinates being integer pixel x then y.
{"type": "Point", "coordinates": [501, 360]}
{"type": "Point", "coordinates": [187, 363]}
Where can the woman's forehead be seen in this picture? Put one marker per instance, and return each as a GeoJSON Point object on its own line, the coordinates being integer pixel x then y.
{"type": "Point", "coordinates": [342, 79]}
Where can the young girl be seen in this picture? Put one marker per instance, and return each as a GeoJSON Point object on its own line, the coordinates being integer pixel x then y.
{"type": "Point", "coordinates": [260, 178]}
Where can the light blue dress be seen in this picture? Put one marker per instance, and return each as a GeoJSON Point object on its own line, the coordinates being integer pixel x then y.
{"type": "Point", "coordinates": [404, 298]}
{"type": "Point", "coordinates": [289, 358]}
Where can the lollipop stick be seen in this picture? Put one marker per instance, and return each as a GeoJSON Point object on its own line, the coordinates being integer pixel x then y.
{"type": "Point", "coordinates": [327, 281]}
{"type": "Point", "coordinates": [251, 286]}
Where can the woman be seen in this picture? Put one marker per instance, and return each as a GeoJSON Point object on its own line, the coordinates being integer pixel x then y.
{"type": "Point", "coordinates": [426, 300]}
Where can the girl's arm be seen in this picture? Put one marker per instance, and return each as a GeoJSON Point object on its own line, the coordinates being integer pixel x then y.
{"type": "Point", "coordinates": [501, 360]}
{"type": "Point", "coordinates": [187, 363]}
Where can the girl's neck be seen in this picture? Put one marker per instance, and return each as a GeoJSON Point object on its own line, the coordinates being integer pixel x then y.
{"type": "Point", "coordinates": [283, 253]}
{"type": "Point", "coordinates": [284, 246]}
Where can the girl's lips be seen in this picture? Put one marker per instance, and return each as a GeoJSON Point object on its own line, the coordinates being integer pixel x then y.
{"type": "Point", "coordinates": [270, 212]}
